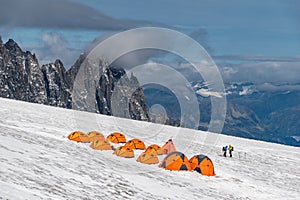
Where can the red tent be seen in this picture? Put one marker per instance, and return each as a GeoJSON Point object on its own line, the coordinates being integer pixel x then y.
{"type": "Point", "coordinates": [168, 147]}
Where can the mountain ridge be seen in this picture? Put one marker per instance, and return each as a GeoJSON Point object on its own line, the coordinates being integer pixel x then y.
{"type": "Point", "coordinates": [22, 78]}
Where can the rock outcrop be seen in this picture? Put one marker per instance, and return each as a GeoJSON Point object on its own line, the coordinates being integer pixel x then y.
{"type": "Point", "coordinates": [22, 78]}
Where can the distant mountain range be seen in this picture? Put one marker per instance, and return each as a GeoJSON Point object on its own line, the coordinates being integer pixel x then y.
{"type": "Point", "coordinates": [270, 116]}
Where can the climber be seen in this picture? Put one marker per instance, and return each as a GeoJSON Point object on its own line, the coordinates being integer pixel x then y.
{"type": "Point", "coordinates": [224, 150]}
{"type": "Point", "coordinates": [230, 149]}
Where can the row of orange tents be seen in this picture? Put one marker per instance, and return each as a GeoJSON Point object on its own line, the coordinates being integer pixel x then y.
{"type": "Point", "coordinates": [173, 161]}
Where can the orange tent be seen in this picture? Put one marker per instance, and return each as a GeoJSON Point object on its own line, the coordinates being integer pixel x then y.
{"type": "Point", "coordinates": [176, 161]}
{"type": "Point", "coordinates": [116, 138]}
{"type": "Point", "coordinates": [124, 151]}
{"type": "Point", "coordinates": [94, 135]}
{"type": "Point", "coordinates": [168, 147]}
{"type": "Point", "coordinates": [148, 158]}
{"type": "Point", "coordinates": [78, 136]}
{"type": "Point", "coordinates": [135, 144]}
{"type": "Point", "coordinates": [203, 165]}
{"type": "Point", "coordinates": [154, 148]}
{"type": "Point", "coordinates": [100, 145]}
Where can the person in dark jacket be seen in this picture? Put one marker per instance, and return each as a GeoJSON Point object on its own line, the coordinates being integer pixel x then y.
{"type": "Point", "coordinates": [225, 150]}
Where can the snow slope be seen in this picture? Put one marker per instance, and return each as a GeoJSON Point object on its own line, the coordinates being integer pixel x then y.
{"type": "Point", "coordinates": [37, 161]}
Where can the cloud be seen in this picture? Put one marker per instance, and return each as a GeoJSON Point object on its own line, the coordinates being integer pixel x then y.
{"type": "Point", "coordinates": [145, 55]}
{"type": "Point", "coordinates": [57, 14]}
{"type": "Point", "coordinates": [55, 47]}
{"type": "Point", "coordinates": [266, 73]}
{"type": "Point", "coordinates": [136, 45]}
{"type": "Point", "coordinates": [262, 72]}
{"type": "Point", "coordinates": [256, 58]}
{"type": "Point", "coordinates": [274, 88]}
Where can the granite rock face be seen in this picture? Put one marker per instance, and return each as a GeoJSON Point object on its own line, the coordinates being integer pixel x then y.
{"type": "Point", "coordinates": [22, 78]}
{"type": "Point", "coordinates": [57, 85]}
{"type": "Point", "coordinates": [20, 74]}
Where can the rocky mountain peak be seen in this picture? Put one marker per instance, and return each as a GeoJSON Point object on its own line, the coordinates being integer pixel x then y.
{"type": "Point", "coordinates": [73, 71]}
{"type": "Point", "coordinates": [13, 47]}
{"type": "Point", "coordinates": [22, 78]}
{"type": "Point", "coordinates": [20, 75]}
{"type": "Point", "coordinates": [58, 63]}
{"type": "Point", "coordinates": [57, 85]}
{"type": "Point", "coordinates": [133, 80]}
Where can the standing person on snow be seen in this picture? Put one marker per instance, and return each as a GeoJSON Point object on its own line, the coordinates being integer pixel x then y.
{"type": "Point", "coordinates": [230, 149]}
{"type": "Point", "coordinates": [224, 150]}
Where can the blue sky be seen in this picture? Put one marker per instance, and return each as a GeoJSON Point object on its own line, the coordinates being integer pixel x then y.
{"type": "Point", "coordinates": [233, 26]}
{"type": "Point", "coordinates": [233, 31]}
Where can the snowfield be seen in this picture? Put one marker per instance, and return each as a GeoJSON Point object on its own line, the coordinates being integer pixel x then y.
{"type": "Point", "coordinates": [37, 161]}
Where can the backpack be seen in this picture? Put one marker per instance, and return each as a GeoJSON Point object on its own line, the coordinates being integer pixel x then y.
{"type": "Point", "coordinates": [224, 148]}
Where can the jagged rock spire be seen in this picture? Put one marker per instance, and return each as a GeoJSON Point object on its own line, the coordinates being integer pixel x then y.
{"type": "Point", "coordinates": [13, 47]}
{"type": "Point", "coordinates": [21, 78]}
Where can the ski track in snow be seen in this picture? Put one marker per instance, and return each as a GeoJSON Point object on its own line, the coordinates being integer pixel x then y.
{"type": "Point", "coordinates": [37, 161]}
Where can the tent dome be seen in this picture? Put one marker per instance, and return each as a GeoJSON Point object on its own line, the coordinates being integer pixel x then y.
{"type": "Point", "coordinates": [176, 161]}
{"type": "Point", "coordinates": [168, 147]}
{"type": "Point", "coordinates": [135, 144]}
{"type": "Point", "coordinates": [124, 151]}
{"type": "Point", "coordinates": [202, 164]}
{"type": "Point", "coordinates": [78, 136]}
{"type": "Point", "coordinates": [94, 135]}
{"type": "Point", "coordinates": [148, 158]}
{"type": "Point", "coordinates": [100, 145]}
{"type": "Point", "coordinates": [116, 138]}
{"type": "Point", "coordinates": [154, 148]}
